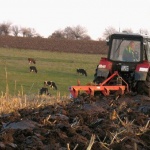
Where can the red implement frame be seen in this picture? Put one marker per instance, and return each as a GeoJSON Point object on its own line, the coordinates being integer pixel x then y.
{"type": "Point", "coordinates": [105, 89]}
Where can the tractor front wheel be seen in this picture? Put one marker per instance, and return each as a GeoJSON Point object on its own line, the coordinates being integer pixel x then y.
{"type": "Point", "coordinates": [99, 79]}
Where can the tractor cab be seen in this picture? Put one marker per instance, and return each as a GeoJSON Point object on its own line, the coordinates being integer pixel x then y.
{"type": "Point", "coordinates": [125, 49]}
{"type": "Point", "coordinates": [129, 55]}
{"type": "Point", "coordinates": [119, 43]}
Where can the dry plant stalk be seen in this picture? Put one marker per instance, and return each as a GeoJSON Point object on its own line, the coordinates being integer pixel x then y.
{"type": "Point", "coordinates": [144, 129]}
{"type": "Point", "coordinates": [127, 123]}
{"type": "Point", "coordinates": [7, 88]}
{"type": "Point", "coordinates": [135, 146]}
{"type": "Point", "coordinates": [75, 147]}
{"type": "Point", "coordinates": [68, 147]}
{"type": "Point", "coordinates": [46, 121]}
{"type": "Point", "coordinates": [113, 115]}
{"type": "Point", "coordinates": [10, 103]}
{"type": "Point", "coordinates": [104, 145]}
{"type": "Point", "coordinates": [92, 140]}
{"type": "Point", "coordinates": [115, 136]}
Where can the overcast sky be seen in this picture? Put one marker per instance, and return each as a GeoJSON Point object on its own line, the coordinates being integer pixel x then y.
{"type": "Point", "coordinates": [47, 16]}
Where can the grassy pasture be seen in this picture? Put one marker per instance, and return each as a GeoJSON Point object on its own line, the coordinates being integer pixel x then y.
{"type": "Point", "coordinates": [15, 77]}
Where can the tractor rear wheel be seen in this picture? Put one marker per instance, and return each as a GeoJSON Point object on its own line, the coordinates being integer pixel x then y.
{"type": "Point", "coordinates": [144, 86]}
{"type": "Point", "coordinates": [147, 84]}
{"type": "Point", "coordinates": [140, 89]}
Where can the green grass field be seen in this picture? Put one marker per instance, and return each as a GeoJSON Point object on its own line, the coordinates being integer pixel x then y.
{"type": "Point", "coordinates": [15, 77]}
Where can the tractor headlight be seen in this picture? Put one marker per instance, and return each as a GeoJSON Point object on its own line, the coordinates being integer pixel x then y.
{"type": "Point", "coordinates": [124, 68]}
{"type": "Point", "coordinates": [102, 66]}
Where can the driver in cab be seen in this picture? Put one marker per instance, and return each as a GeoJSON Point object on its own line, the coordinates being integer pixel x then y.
{"type": "Point", "coordinates": [129, 53]}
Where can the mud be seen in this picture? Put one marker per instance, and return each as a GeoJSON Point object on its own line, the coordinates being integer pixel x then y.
{"type": "Point", "coordinates": [93, 123]}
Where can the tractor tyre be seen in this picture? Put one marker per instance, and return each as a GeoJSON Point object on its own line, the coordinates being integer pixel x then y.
{"type": "Point", "coordinates": [99, 80]}
{"type": "Point", "coordinates": [140, 89]}
{"type": "Point", "coordinates": [146, 86]}
{"type": "Point", "coordinates": [143, 87]}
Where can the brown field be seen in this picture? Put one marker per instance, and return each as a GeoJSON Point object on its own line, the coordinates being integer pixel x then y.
{"type": "Point", "coordinates": [73, 46]}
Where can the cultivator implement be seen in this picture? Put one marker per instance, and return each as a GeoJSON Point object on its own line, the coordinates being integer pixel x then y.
{"type": "Point", "coordinates": [119, 85]}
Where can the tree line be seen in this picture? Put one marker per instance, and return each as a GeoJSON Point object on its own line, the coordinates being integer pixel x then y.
{"type": "Point", "coordinates": [73, 33]}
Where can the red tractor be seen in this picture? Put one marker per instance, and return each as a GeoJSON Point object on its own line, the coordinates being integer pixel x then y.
{"type": "Point", "coordinates": [126, 68]}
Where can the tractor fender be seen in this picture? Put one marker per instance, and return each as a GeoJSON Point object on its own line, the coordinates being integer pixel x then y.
{"type": "Point", "coordinates": [104, 67]}
{"type": "Point", "coordinates": [141, 76]}
{"type": "Point", "coordinates": [141, 71]}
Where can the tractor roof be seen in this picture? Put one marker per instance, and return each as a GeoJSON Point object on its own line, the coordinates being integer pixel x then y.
{"type": "Point", "coordinates": [130, 34]}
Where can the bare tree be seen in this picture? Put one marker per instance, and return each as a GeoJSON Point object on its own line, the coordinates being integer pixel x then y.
{"type": "Point", "coordinates": [59, 34]}
{"type": "Point", "coordinates": [81, 33]}
{"type": "Point", "coordinates": [86, 37]}
{"type": "Point", "coordinates": [28, 32]}
{"type": "Point", "coordinates": [108, 31]}
{"type": "Point", "coordinates": [5, 28]}
{"type": "Point", "coordinates": [101, 39]}
{"type": "Point", "coordinates": [32, 32]}
{"type": "Point", "coordinates": [15, 30]}
{"type": "Point", "coordinates": [73, 33]}
{"type": "Point", "coordinates": [76, 33]}
{"type": "Point", "coordinates": [69, 33]}
{"type": "Point", "coordinates": [38, 35]}
{"type": "Point", "coordinates": [24, 31]}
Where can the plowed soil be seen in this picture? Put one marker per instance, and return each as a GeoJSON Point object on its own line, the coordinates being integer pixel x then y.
{"type": "Point", "coordinates": [84, 123]}
{"type": "Point", "coordinates": [54, 45]}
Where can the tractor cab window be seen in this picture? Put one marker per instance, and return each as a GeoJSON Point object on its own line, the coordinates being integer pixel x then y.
{"type": "Point", "coordinates": [125, 50]}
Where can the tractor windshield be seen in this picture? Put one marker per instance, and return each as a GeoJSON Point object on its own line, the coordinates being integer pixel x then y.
{"type": "Point", "coordinates": [125, 50]}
